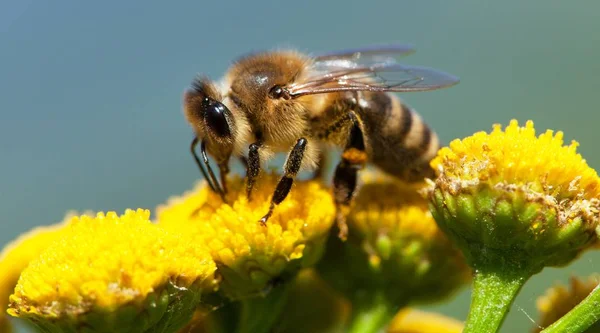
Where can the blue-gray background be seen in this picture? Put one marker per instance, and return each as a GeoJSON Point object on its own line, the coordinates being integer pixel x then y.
{"type": "Point", "coordinates": [90, 92]}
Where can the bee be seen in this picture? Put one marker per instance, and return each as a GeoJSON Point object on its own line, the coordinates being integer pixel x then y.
{"type": "Point", "coordinates": [285, 101]}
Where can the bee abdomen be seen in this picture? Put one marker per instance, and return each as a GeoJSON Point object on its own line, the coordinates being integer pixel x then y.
{"type": "Point", "coordinates": [401, 144]}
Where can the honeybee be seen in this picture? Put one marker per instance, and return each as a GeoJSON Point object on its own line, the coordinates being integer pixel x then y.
{"type": "Point", "coordinates": [285, 101]}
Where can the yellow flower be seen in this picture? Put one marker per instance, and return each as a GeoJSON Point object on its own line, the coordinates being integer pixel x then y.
{"type": "Point", "coordinates": [112, 273]}
{"type": "Point", "coordinates": [517, 157]}
{"type": "Point", "coordinates": [394, 247]}
{"type": "Point", "coordinates": [414, 321]}
{"type": "Point", "coordinates": [514, 203]}
{"type": "Point", "coordinates": [513, 190]}
{"type": "Point", "coordinates": [16, 256]}
{"type": "Point", "coordinates": [561, 299]}
{"type": "Point", "coordinates": [251, 255]}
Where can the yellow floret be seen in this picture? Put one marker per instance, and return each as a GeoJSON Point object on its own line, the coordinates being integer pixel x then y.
{"type": "Point", "coordinates": [253, 252]}
{"type": "Point", "coordinates": [518, 157]}
{"type": "Point", "coordinates": [106, 262]}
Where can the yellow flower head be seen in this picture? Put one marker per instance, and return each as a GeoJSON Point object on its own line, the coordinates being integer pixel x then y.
{"type": "Point", "coordinates": [114, 265]}
{"type": "Point", "coordinates": [16, 256]}
{"type": "Point", "coordinates": [394, 246]}
{"type": "Point", "coordinates": [415, 321]}
{"type": "Point", "coordinates": [250, 255]}
{"type": "Point", "coordinates": [516, 157]}
{"type": "Point", "coordinates": [513, 192]}
{"type": "Point", "coordinates": [561, 299]}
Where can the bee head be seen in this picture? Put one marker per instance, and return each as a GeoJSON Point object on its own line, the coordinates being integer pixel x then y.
{"type": "Point", "coordinates": [212, 121]}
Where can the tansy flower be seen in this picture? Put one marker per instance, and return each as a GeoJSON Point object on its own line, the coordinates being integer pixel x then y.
{"type": "Point", "coordinates": [16, 256]}
{"type": "Point", "coordinates": [114, 274]}
{"type": "Point", "coordinates": [255, 261]}
{"type": "Point", "coordinates": [250, 255]}
{"type": "Point", "coordinates": [410, 320]}
{"type": "Point", "coordinates": [560, 299]}
{"type": "Point", "coordinates": [395, 254]}
{"type": "Point", "coordinates": [514, 202]}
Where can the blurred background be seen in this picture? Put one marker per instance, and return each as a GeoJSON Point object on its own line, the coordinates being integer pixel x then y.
{"type": "Point", "coordinates": [90, 92]}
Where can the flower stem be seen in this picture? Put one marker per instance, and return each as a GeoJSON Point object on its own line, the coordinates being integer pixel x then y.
{"type": "Point", "coordinates": [371, 313]}
{"type": "Point", "coordinates": [259, 314]}
{"type": "Point", "coordinates": [581, 317]}
{"type": "Point", "coordinates": [493, 293]}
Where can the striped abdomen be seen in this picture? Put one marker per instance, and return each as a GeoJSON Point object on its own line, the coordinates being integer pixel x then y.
{"type": "Point", "coordinates": [398, 140]}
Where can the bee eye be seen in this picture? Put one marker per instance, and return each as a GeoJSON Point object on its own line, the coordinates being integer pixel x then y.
{"type": "Point", "coordinates": [215, 118]}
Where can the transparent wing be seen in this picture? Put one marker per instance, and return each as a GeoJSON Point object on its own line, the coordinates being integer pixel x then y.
{"type": "Point", "coordinates": [382, 76]}
{"type": "Point", "coordinates": [364, 56]}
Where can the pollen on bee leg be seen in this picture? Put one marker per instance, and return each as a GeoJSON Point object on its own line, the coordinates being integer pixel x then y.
{"type": "Point", "coordinates": [340, 219]}
{"type": "Point", "coordinates": [355, 156]}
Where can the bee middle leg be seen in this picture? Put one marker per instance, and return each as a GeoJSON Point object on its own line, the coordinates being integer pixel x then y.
{"type": "Point", "coordinates": [345, 181]}
{"type": "Point", "coordinates": [291, 168]}
{"type": "Point", "coordinates": [252, 167]}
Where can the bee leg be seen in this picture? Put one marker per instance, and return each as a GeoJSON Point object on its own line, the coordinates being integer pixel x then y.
{"type": "Point", "coordinates": [252, 167]}
{"type": "Point", "coordinates": [291, 168]}
{"type": "Point", "coordinates": [217, 186]}
{"type": "Point", "coordinates": [345, 182]}
{"type": "Point", "coordinates": [223, 171]}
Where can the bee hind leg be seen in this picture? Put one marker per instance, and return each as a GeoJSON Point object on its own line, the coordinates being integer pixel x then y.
{"type": "Point", "coordinates": [292, 166]}
{"type": "Point", "coordinates": [345, 181]}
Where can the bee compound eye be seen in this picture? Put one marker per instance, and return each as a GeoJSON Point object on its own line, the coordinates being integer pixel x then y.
{"type": "Point", "coordinates": [216, 119]}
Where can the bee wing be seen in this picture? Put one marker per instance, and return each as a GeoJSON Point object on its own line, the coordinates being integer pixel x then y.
{"type": "Point", "coordinates": [369, 69]}
{"type": "Point", "coordinates": [366, 55]}
{"type": "Point", "coordinates": [391, 76]}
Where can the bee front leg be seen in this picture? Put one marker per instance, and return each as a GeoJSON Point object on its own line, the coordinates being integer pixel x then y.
{"type": "Point", "coordinates": [209, 176]}
{"type": "Point", "coordinates": [252, 167]}
{"type": "Point", "coordinates": [345, 181]}
{"type": "Point", "coordinates": [223, 171]}
{"type": "Point", "coordinates": [292, 166]}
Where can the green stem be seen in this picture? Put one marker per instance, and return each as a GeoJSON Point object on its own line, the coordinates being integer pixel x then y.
{"type": "Point", "coordinates": [494, 290]}
{"type": "Point", "coordinates": [259, 314]}
{"type": "Point", "coordinates": [581, 317]}
{"type": "Point", "coordinates": [371, 313]}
